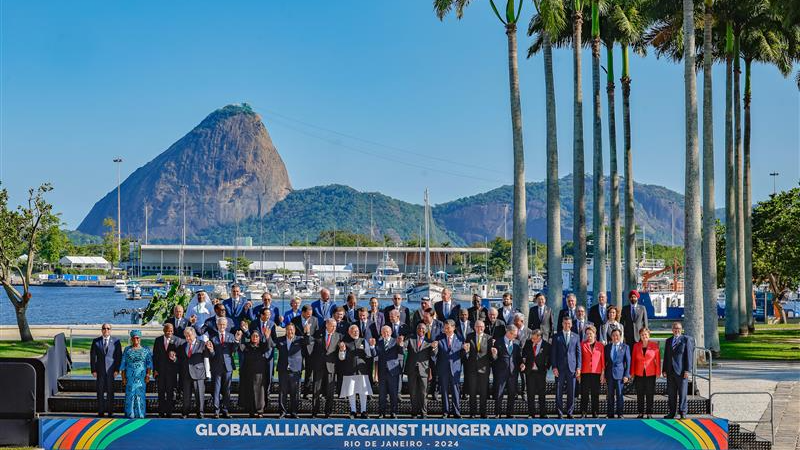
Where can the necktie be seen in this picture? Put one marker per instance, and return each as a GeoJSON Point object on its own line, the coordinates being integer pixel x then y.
{"type": "Point", "coordinates": [541, 313]}
{"type": "Point", "coordinates": [222, 338]}
{"type": "Point", "coordinates": [105, 345]}
{"type": "Point", "coordinates": [363, 329]}
{"type": "Point", "coordinates": [189, 351]}
{"type": "Point", "coordinates": [419, 344]}
{"type": "Point", "coordinates": [446, 309]}
{"type": "Point", "coordinates": [327, 340]}
{"type": "Point", "coordinates": [386, 344]}
{"type": "Point", "coordinates": [464, 328]}
{"type": "Point", "coordinates": [396, 331]}
{"type": "Point", "coordinates": [633, 312]}
{"type": "Point", "coordinates": [166, 343]}
{"type": "Point", "coordinates": [264, 328]}
{"type": "Point", "coordinates": [509, 346]}
{"type": "Point", "coordinates": [478, 342]}
{"type": "Point", "coordinates": [602, 313]}
{"type": "Point", "coordinates": [674, 342]}
{"type": "Point", "coordinates": [449, 342]}
{"type": "Point", "coordinates": [566, 338]}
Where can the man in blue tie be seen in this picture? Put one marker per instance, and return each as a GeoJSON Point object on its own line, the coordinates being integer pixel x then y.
{"type": "Point", "coordinates": [237, 308]}
{"type": "Point", "coordinates": [105, 358]}
{"type": "Point", "coordinates": [597, 313]}
{"type": "Point", "coordinates": [676, 367]}
{"type": "Point", "coordinates": [449, 351]}
{"type": "Point", "coordinates": [291, 352]}
{"type": "Point", "coordinates": [566, 361]}
{"type": "Point", "coordinates": [507, 364]}
{"type": "Point", "coordinates": [324, 307]}
{"type": "Point", "coordinates": [617, 373]}
{"type": "Point", "coordinates": [570, 311]}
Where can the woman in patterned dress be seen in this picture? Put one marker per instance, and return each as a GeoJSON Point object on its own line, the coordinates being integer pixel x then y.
{"type": "Point", "coordinates": [136, 367]}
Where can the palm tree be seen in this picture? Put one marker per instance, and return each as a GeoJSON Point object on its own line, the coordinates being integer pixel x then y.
{"type": "Point", "coordinates": [578, 182]}
{"type": "Point", "coordinates": [693, 289]}
{"type": "Point", "coordinates": [550, 14]}
{"type": "Point", "coordinates": [739, 185]}
{"type": "Point", "coordinates": [598, 207]}
{"type": "Point", "coordinates": [731, 255]}
{"type": "Point", "coordinates": [520, 238]}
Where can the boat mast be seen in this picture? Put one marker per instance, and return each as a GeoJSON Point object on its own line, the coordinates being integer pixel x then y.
{"type": "Point", "coordinates": [427, 239]}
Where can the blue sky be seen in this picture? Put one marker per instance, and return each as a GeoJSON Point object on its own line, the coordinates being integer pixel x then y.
{"type": "Point", "coordinates": [381, 96]}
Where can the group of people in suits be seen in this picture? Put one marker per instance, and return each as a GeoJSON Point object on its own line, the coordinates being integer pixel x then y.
{"type": "Point", "coordinates": [345, 349]}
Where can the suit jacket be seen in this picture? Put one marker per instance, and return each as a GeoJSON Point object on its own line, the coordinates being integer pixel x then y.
{"type": "Point", "coordinates": [178, 325]}
{"type": "Point", "coordinates": [405, 314]}
{"type": "Point", "coordinates": [290, 357]}
{"type": "Point", "coordinates": [357, 355]}
{"type": "Point", "coordinates": [350, 314]}
{"type": "Point", "coordinates": [479, 361]}
{"type": "Point", "coordinates": [579, 326]}
{"type": "Point", "coordinates": [454, 310]}
{"type": "Point", "coordinates": [619, 366]}
{"type": "Point", "coordinates": [604, 332]}
{"type": "Point", "coordinates": [415, 319]}
{"type": "Point", "coordinates": [678, 358]}
{"type": "Point", "coordinates": [593, 360]}
{"type": "Point", "coordinates": [321, 315]}
{"type": "Point", "coordinates": [324, 358]}
{"type": "Point", "coordinates": [448, 357]}
{"type": "Point", "coordinates": [524, 335]}
{"type": "Point", "coordinates": [595, 317]}
{"type": "Point", "coordinates": [379, 319]}
{"type": "Point", "coordinates": [567, 312]}
{"type": "Point", "coordinates": [105, 362]}
{"type": "Point", "coordinates": [161, 362]}
{"type": "Point", "coordinates": [210, 327]}
{"type": "Point", "coordinates": [341, 327]}
{"type": "Point", "coordinates": [545, 324]}
{"type": "Point", "coordinates": [298, 325]}
{"type": "Point", "coordinates": [192, 366]}
{"type": "Point", "coordinates": [460, 330]}
{"type": "Point", "coordinates": [390, 360]}
{"type": "Point", "coordinates": [507, 318]}
{"type": "Point", "coordinates": [255, 327]}
{"type": "Point", "coordinates": [566, 356]}
{"type": "Point", "coordinates": [541, 359]}
{"type": "Point", "coordinates": [419, 356]}
{"type": "Point", "coordinates": [435, 330]}
{"type": "Point", "coordinates": [402, 330]}
{"type": "Point", "coordinates": [366, 330]}
{"type": "Point", "coordinates": [236, 311]}
{"type": "Point", "coordinates": [222, 355]}
{"type": "Point", "coordinates": [290, 315]}
{"type": "Point", "coordinates": [476, 314]}
{"type": "Point", "coordinates": [497, 329]}
{"type": "Point", "coordinates": [507, 363]}
{"type": "Point", "coordinates": [647, 363]}
{"type": "Point", "coordinates": [632, 324]}
{"type": "Point", "coordinates": [255, 313]}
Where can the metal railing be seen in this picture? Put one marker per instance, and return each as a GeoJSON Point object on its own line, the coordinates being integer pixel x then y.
{"type": "Point", "coordinates": [760, 421]}
{"type": "Point", "coordinates": [708, 360]}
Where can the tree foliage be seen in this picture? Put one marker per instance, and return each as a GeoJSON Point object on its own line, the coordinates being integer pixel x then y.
{"type": "Point", "coordinates": [160, 306]}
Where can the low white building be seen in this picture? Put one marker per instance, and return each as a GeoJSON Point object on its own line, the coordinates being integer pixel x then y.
{"type": "Point", "coordinates": [85, 262]}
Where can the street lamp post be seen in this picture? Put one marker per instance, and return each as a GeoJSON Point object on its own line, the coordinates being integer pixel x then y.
{"type": "Point", "coordinates": [774, 175]}
{"type": "Point", "coordinates": [118, 161]}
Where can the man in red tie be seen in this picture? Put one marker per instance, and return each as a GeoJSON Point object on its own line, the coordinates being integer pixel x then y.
{"type": "Point", "coordinates": [536, 363]}
{"type": "Point", "coordinates": [324, 356]}
{"type": "Point", "coordinates": [417, 369]}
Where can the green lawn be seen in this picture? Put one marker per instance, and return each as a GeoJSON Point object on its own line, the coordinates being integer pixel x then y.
{"type": "Point", "coordinates": [16, 349]}
{"type": "Point", "coordinates": [769, 342]}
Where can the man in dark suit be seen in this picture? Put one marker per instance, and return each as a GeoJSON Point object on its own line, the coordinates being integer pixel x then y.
{"type": "Point", "coordinates": [191, 354]}
{"type": "Point", "coordinates": [264, 327]}
{"type": "Point", "coordinates": [477, 311]}
{"type": "Point", "coordinates": [540, 317]}
{"type": "Point", "coordinates": [210, 325]}
{"type": "Point", "coordinates": [341, 321]}
{"type": "Point", "coordinates": [536, 359]}
{"type": "Point", "coordinates": [377, 316]}
{"type": "Point", "coordinates": [178, 321]}
{"type": "Point", "coordinates": [365, 327]}
{"type": "Point", "coordinates": [323, 308]}
{"type": "Point", "coordinates": [417, 368]}
{"type": "Point", "coordinates": [434, 327]}
{"type": "Point", "coordinates": [523, 336]}
{"type": "Point", "coordinates": [266, 303]}
{"type": "Point", "coordinates": [634, 318]}
{"type": "Point", "coordinates": [397, 304]}
{"type": "Point", "coordinates": [237, 307]}
{"type": "Point", "coordinates": [165, 369]}
{"type": "Point", "coordinates": [351, 308]}
{"type": "Point", "coordinates": [447, 309]}
{"type": "Point", "coordinates": [507, 364]}
{"type": "Point", "coordinates": [324, 356]}
{"type": "Point", "coordinates": [222, 365]}
{"type": "Point", "coordinates": [617, 373]}
{"type": "Point", "coordinates": [580, 322]}
{"type": "Point", "coordinates": [570, 311]}
{"type": "Point", "coordinates": [463, 326]}
{"type": "Point", "coordinates": [397, 326]}
{"type": "Point", "coordinates": [105, 357]}
{"type": "Point", "coordinates": [597, 313]}
{"type": "Point", "coordinates": [449, 351]}
{"type": "Point", "coordinates": [291, 350]}
{"type": "Point", "coordinates": [566, 360]}
{"type": "Point", "coordinates": [495, 327]}
{"type": "Point", "coordinates": [389, 355]}
{"type": "Point", "coordinates": [306, 325]}
{"type": "Point", "coordinates": [477, 367]}
{"type": "Point", "coordinates": [507, 311]}
{"type": "Point", "coordinates": [676, 367]}
{"type": "Point", "coordinates": [424, 304]}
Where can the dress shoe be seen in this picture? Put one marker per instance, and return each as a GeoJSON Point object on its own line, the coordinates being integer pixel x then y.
{"type": "Point", "coordinates": [326, 416]}
{"type": "Point", "coordinates": [569, 416]}
{"type": "Point", "coordinates": [640, 416]}
{"type": "Point", "coordinates": [99, 414]}
{"type": "Point", "coordinates": [456, 416]}
{"type": "Point", "coordinates": [314, 415]}
{"type": "Point", "coordinates": [259, 416]}
{"type": "Point", "coordinates": [683, 416]}
{"type": "Point", "coordinates": [669, 416]}
{"type": "Point", "coordinates": [183, 416]}
{"type": "Point", "coordinates": [583, 416]}
{"type": "Point", "coordinates": [560, 416]}
{"type": "Point", "coordinates": [424, 416]}
{"type": "Point", "coordinates": [282, 416]}
{"type": "Point", "coordinates": [543, 416]}
{"type": "Point", "coordinates": [498, 416]}
{"type": "Point", "coordinates": [352, 415]}
{"type": "Point", "coordinates": [216, 415]}
{"type": "Point", "coordinates": [619, 416]}
{"type": "Point", "coordinates": [393, 416]}
{"type": "Point", "coordinates": [292, 416]}
{"type": "Point", "coordinates": [364, 415]}
{"type": "Point", "coordinates": [594, 416]}
{"type": "Point", "coordinates": [649, 416]}
{"type": "Point", "coordinates": [252, 415]}
{"type": "Point", "coordinates": [509, 416]}
{"type": "Point", "coordinates": [225, 415]}
{"type": "Point", "coordinates": [200, 416]}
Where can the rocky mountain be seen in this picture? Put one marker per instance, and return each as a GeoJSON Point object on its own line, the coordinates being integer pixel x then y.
{"type": "Point", "coordinates": [229, 166]}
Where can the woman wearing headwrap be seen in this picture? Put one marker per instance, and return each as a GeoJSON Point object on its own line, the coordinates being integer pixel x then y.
{"type": "Point", "coordinates": [137, 364]}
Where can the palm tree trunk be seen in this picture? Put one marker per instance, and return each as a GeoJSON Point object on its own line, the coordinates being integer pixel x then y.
{"type": "Point", "coordinates": [598, 206]}
{"type": "Point", "coordinates": [709, 214]}
{"type": "Point", "coordinates": [554, 282]}
{"type": "Point", "coordinates": [616, 251]}
{"type": "Point", "coordinates": [737, 124]}
{"type": "Point", "coordinates": [748, 203]}
{"type": "Point", "coordinates": [693, 281]}
{"type": "Point", "coordinates": [578, 183]}
{"type": "Point", "coordinates": [731, 280]}
{"type": "Point", "coordinates": [630, 223]}
{"type": "Point", "coordinates": [520, 237]}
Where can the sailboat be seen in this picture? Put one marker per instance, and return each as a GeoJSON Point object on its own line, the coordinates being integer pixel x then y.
{"type": "Point", "coordinates": [426, 286]}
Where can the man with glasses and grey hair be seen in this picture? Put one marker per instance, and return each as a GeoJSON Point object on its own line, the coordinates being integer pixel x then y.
{"type": "Point", "coordinates": [324, 351]}
{"type": "Point", "coordinates": [105, 358]}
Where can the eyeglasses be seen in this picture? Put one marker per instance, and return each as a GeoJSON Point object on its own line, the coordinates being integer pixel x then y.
{"type": "Point", "coordinates": [106, 328]}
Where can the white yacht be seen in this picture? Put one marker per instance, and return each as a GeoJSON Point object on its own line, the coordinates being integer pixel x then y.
{"type": "Point", "coordinates": [120, 285]}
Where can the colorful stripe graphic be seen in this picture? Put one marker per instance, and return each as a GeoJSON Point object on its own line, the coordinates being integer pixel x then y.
{"type": "Point", "coordinates": [692, 434]}
{"type": "Point", "coordinates": [87, 434]}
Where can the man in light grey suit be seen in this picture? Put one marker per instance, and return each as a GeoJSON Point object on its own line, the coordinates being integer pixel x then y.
{"type": "Point", "coordinates": [634, 318]}
{"type": "Point", "coordinates": [105, 357]}
{"type": "Point", "coordinates": [193, 370]}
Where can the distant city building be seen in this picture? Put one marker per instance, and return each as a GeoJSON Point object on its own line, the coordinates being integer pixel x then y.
{"type": "Point", "coordinates": [85, 262]}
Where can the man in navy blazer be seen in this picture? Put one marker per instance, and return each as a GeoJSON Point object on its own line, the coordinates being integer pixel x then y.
{"type": "Point", "coordinates": [396, 324]}
{"type": "Point", "coordinates": [105, 357]}
{"type": "Point", "coordinates": [178, 320]}
{"type": "Point", "coordinates": [292, 349]}
{"type": "Point", "coordinates": [224, 345]}
{"type": "Point", "coordinates": [463, 325]}
{"type": "Point", "coordinates": [448, 351]}
{"type": "Point", "coordinates": [266, 303]}
{"type": "Point", "coordinates": [237, 307]}
{"type": "Point", "coordinates": [210, 325]}
{"type": "Point", "coordinates": [324, 307]}
{"type": "Point", "coordinates": [165, 369]}
{"type": "Point", "coordinates": [566, 361]}
{"type": "Point", "coordinates": [390, 367]}
{"type": "Point", "coordinates": [507, 364]}
{"type": "Point", "coordinates": [447, 309]}
{"type": "Point", "coordinates": [397, 304]}
{"type": "Point", "coordinates": [617, 373]}
{"type": "Point", "coordinates": [676, 366]}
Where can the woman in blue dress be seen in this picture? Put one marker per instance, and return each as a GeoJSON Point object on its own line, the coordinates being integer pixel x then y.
{"type": "Point", "coordinates": [137, 364]}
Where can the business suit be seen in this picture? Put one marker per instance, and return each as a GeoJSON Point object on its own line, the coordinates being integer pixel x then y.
{"type": "Point", "coordinates": [463, 330]}
{"type": "Point", "coordinates": [476, 314]}
{"type": "Point", "coordinates": [573, 314]}
{"type": "Point", "coordinates": [434, 331]}
{"type": "Point", "coordinates": [496, 329]}
{"type": "Point", "coordinates": [565, 355]}
{"type": "Point", "coordinates": [579, 326]}
{"type": "Point", "coordinates": [443, 313]}
{"type": "Point", "coordinates": [290, 365]}
{"type": "Point", "coordinates": [477, 367]}
{"type": "Point", "coordinates": [166, 371]}
{"type": "Point", "coordinates": [323, 310]}
{"type": "Point", "coordinates": [298, 323]}
{"type": "Point", "coordinates": [417, 366]}
{"type": "Point", "coordinates": [507, 314]}
{"type": "Point", "coordinates": [290, 315]}
{"type": "Point", "coordinates": [541, 320]}
{"type": "Point", "coordinates": [523, 336]}
{"type": "Point", "coordinates": [234, 309]}
{"type": "Point", "coordinates": [449, 353]}
{"type": "Point", "coordinates": [222, 367]}
{"type": "Point", "coordinates": [537, 363]}
{"type": "Point", "coordinates": [351, 313]}
{"type": "Point", "coordinates": [324, 357]}
{"type": "Point", "coordinates": [593, 364]}
{"type": "Point", "coordinates": [678, 360]}
{"type": "Point", "coordinates": [255, 313]}
{"type": "Point", "coordinates": [506, 372]}
{"type": "Point", "coordinates": [389, 356]}
{"type": "Point", "coordinates": [210, 327]}
{"type": "Point", "coordinates": [598, 315]}
{"type": "Point", "coordinates": [378, 319]}
{"type": "Point", "coordinates": [645, 367]}
{"type": "Point", "coordinates": [399, 329]}
{"type": "Point", "coordinates": [193, 374]}
{"type": "Point", "coordinates": [178, 325]}
{"type": "Point", "coordinates": [104, 360]}
{"type": "Point", "coordinates": [618, 366]}
{"type": "Point", "coordinates": [604, 332]}
{"type": "Point", "coordinates": [405, 314]}
{"type": "Point", "coordinates": [632, 323]}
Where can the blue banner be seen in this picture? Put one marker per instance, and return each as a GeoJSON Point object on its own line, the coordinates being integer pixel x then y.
{"type": "Point", "coordinates": [96, 433]}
